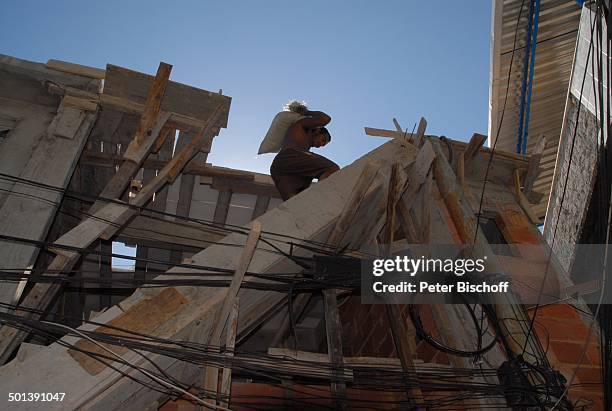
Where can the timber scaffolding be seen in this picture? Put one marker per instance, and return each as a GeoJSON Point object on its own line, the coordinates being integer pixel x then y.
{"type": "Point", "coordinates": [222, 310]}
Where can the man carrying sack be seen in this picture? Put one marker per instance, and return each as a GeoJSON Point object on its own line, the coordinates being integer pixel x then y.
{"type": "Point", "coordinates": [292, 133]}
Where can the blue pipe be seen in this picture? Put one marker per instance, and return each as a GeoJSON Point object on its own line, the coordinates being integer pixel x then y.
{"type": "Point", "coordinates": [531, 70]}
{"type": "Point", "coordinates": [525, 76]}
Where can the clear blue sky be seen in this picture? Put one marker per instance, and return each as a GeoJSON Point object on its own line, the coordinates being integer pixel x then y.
{"type": "Point", "coordinates": [363, 62]}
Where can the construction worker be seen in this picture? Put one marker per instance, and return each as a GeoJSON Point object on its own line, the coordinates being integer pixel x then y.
{"type": "Point", "coordinates": [294, 167]}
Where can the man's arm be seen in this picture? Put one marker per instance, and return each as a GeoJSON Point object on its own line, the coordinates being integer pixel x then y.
{"type": "Point", "coordinates": [314, 119]}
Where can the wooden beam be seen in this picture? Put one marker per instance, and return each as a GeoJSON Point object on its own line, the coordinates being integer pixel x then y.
{"type": "Point", "coordinates": [222, 207]}
{"type": "Point", "coordinates": [28, 211]}
{"type": "Point", "coordinates": [397, 125]}
{"type": "Point", "coordinates": [418, 174]}
{"type": "Point", "coordinates": [77, 69]}
{"type": "Point", "coordinates": [149, 128]}
{"type": "Point", "coordinates": [420, 134]}
{"type": "Point", "coordinates": [399, 330]}
{"type": "Point", "coordinates": [522, 200]}
{"type": "Point", "coordinates": [176, 120]}
{"type": "Point", "coordinates": [230, 342]}
{"type": "Point", "coordinates": [426, 206]}
{"type": "Point", "coordinates": [261, 205]}
{"type": "Point", "coordinates": [150, 231]}
{"type": "Point", "coordinates": [352, 204]}
{"type": "Point", "coordinates": [473, 147]}
{"type": "Point", "coordinates": [208, 170]}
{"type": "Point", "coordinates": [244, 186]}
{"type": "Point", "coordinates": [378, 132]}
{"type": "Point", "coordinates": [465, 221]}
{"type": "Point", "coordinates": [179, 98]}
{"type": "Point", "coordinates": [333, 325]}
{"type": "Point", "coordinates": [393, 195]}
{"type": "Point", "coordinates": [211, 374]}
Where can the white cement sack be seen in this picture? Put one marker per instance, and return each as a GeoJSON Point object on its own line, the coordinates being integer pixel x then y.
{"type": "Point", "coordinates": [273, 140]}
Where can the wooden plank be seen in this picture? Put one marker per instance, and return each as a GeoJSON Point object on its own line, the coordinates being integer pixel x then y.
{"type": "Point", "coordinates": [522, 200]}
{"type": "Point", "coordinates": [378, 132]}
{"type": "Point", "coordinates": [52, 162]}
{"type": "Point", "coordinates": [144, 318]}
{"type": "Point", "coordinates": [230, 342]}
{"type": "Point", "coordinates": [67, 121]}
{"type": "Point", "coordinates": [406, 349]}
{"type": "Point", "coordinates": [179, 98]}
{"type": "Point", "coordinates": [150, 230]}
{"type": "Point", "coordinates": [211, 374]}
{"type": "Point", "coordinates": [418, 174]}
{"type": "Point", "coordinates": [417, 140]}
{"type": "Point", "coordinates": [397, 125]}
{"type": "Point", "coordinates": [140, 265]}
{"type": "Point", "coordinates": [399, 331]}
{"type": "Point", "coordinates": [183, 206]}
{"type": "Point", "coordinates": [461, 169]}
{"type": "Point", "coordinates": [365, 180]}
{"type": "Point", "coordinates": [245, 187]}
{"type": "Point", "coordinates": [155, 95]}
{"type": "Point", "coordinates": [78, 69]}
{"type": "Point", "coordinates": [392, 198]}
{"type": "Point", "coordinates": [103, 160]}
{"type": "Point", "coordinates": [222, 207]}
{"type": "Point", "coordinates": [333, 325]}
{"type": "Point", "coordinates": [366, 362]}
{"type": "Point", "coordinates": [426, 206]}
{"type": "Point", "coordinates": [178, 162]}
{"type": "Point", "coordinates": [149, 128]}
{"type": "Point", "coordinates": [465, 221]}
{"type": "Point", "coordinates": [178, 121]}
{"type": "Point", "coordinates": [261, 206]}
{"type": "Point", "coordinates": [473, 147]}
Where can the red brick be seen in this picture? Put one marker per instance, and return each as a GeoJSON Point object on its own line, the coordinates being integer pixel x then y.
{"type": "Point", "coordinates": [564, 330]}
{"type": "Point", "coordinates": [594, 354]}
{"type": "Point", "coordinates": [567, 352]}
{"type": "Point", "coordinates": [590, 376]}
{"type": "Point", "coordinates": [558, 311]}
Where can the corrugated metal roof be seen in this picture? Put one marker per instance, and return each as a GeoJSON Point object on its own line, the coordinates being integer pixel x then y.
{"type": "Point", "coordinates": [556, 42]}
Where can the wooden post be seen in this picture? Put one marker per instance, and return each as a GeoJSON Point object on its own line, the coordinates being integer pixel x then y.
{"type": "Point", "coordinates": [222, 207]}
{"type": "Point", "coordinates": [230, 342]}
{"type": "Point", "coordinates": [465, 221]}
{"type": "Point", "coordinates": [399, 331]}
{"type": "Point", "coordinates": [333, 325]}
{"type": "Point", "coordinates": [522, 200]}
{"type": "Point", "coordinates": [149, 130]}
{"type": "Point", "coordinates": [261, 205]}
{"type": "Point", "coordinates": [420, 134]}
{"type": "Point", "coordinates": [211, 373]}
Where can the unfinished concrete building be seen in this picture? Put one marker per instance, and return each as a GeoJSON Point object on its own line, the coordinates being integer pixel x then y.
{"type": "Point", "coordinates": [118, 152]}
{"type": "Point", "coordinates": [238, 300]}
